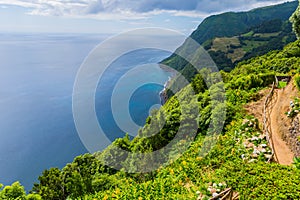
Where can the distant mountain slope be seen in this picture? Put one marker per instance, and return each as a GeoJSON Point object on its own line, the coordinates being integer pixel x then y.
{"type": "Point", "coordinates": [232, 37]}
{"type": "Point", "coordinates": [270, 35]}
{"type": "Point", "coordinates": [231, 24]}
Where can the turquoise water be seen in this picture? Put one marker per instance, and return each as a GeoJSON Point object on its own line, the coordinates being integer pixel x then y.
{"type": "Point", "coordinates": [37, 73]}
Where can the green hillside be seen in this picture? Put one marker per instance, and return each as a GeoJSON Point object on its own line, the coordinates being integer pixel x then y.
{"type": "Point", "coordinates": [210, 162]}
{"type": "Point", "coordinates": [232, 24]}
{"type": "Point", "coordinates": [229, 164]}
{"type": "Point", "coordinates": [270, 35]}
{"type": "Point", "coordinates": [233, 37]}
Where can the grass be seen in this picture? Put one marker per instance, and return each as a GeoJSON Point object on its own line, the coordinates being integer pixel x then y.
{"type": "Point", "coordinates": [249, 34]}
{"type": "Point", "coordinates": [223, 44]}
{"type": "Point", "coordinates": [282, 84]}
{"type": "Point", "coordinates": [266, 35]}
{"type": "Point", "coordinates": [237, 55]}
{"type": "Point", "coordinates": [250, 45]}
{"type": "Point", "coordinates": [297, 81]}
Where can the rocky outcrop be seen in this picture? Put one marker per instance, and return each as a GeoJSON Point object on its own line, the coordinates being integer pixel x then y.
{"type": "Point", "coordinates": [293, 137]}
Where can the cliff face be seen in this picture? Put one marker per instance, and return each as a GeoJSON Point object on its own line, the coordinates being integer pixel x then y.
{"type": "Point", "coordinates": [293, 136]}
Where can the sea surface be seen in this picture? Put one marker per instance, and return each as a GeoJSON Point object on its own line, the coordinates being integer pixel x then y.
{"type": "Point", "coordinates": [37, 73]}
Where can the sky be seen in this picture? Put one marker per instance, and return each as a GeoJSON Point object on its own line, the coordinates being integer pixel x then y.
{"type": "Point", "coordinates": [113, 16]}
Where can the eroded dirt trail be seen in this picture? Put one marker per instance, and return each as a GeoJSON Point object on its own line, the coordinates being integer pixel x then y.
{"type": "Point", "coordinates": [280, 99]}
{"type": "Point", "coordinates": [279, 122]}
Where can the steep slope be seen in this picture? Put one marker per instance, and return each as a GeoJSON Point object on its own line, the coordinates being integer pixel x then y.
{"type": "Point", "coordinates": [270, 35]}
{"type": "Point", "coordinates": [231, 24]}
{"type": "Point", "coordinates": [233, 162]}
{"type": "Point", "coordinates": [232, 37]}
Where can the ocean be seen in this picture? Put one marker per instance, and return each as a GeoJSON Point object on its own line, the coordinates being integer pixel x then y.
{"type": "Point", "coordinates": [37, 73]}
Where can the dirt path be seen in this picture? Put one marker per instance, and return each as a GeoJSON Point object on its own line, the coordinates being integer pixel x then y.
{"type": "Point", "coordinates": [283, 153]}
{"type": "Point", "coordinates": [279, 123]}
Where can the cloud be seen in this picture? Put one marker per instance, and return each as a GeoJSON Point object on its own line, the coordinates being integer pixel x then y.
{"type": "Point", "coordinates": [134, 9]}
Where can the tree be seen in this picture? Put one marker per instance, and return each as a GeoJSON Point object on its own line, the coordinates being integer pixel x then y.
{"type": "Point", "coordinates": [78, 176]}
{"type": "Point", "coordinates": [199, 84]}
{"type": "Point", "coordinates": [14, 192]}
{"type": "Point", "coordinates": [33, 197]}
{"type": "Point", "coordinates": [51, 185]}
{"type": "Point", "coordinates": [295, 19]}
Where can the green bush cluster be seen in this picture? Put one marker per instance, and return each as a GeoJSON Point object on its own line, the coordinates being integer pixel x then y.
{"type": "Point", "coordinates": [16, 192]}
{"type": "Point", "coordinates": [297, 81]}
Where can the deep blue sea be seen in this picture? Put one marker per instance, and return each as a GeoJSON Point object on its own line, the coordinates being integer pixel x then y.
{"type": "Point", "coordinates": [37, 73]}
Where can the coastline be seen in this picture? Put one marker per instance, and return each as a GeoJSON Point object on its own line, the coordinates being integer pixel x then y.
{"type": "Point", "coordinates": [163, 94]}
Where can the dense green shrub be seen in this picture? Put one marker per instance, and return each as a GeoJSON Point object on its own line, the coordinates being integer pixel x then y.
{"type": "Point", "coordinates": [297, 81]}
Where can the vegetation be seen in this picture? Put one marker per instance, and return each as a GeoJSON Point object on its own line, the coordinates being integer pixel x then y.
{"type": "Point", "coordinates": [230, 162]}
{"type": "Point", "coordinates": [294, 108]}
{"type": "Point", "coordinates": [237, 160]}
{"type": "Point", "coordinates": [231, 24]}
{"type": "Point", "coordinates": [295, 19]}
{"type": "Point", "coordinates": [297, 81]}
{"type": "Point", "coordinates": [233, 37]}
{"type": "Point", "coordinates": [15, 191]}
{"type": "Point", "coordinates": [297, 162]}
{"type": "Point", "coordinates": [282, 84]}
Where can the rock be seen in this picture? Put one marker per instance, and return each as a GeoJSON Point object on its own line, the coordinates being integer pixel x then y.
{"type": "Point", "coordinates": [245, 121]}
{"type": "Point", "coordinates": [262, 137]}
{"type": "Point", "coordinates": [254, 155]}
{"type": "Point", "coordinates": [209, 189]}
{"type": "Point", "coordinates": [251, 145]}
{"type": "Point", "coordinates": [256, 151]}
{"type": "Point", "coordinates": [292, 137]}
{"type": "Point", "coordinates": [213, 191]}
{"type": "Point", "coordinates": [268, 156]}
{"type": "Point", "coordinates": [263, 150]}
{"type": "Point", "coordinates": [254, 139]}
{"type": "Point", "coordinates": [215, 195]}
{"type": "Point", "coordinates": [263, 145]}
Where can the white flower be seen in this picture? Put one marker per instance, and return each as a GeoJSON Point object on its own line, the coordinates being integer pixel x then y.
{"type": "Point", "coordinates": [215, 185]}
{"type": "Point", "coordinates": [256, 151]}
